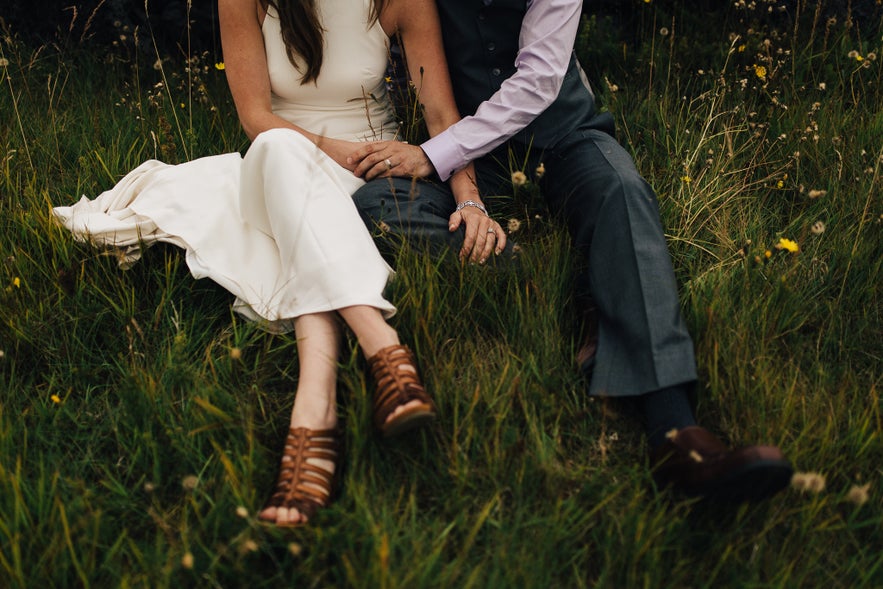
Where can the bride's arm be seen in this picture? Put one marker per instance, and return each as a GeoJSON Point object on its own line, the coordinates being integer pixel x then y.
{"type": "Point", "coordinates": [245, 63]}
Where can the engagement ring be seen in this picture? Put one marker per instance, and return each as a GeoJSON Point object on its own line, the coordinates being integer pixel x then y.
{"type": "Point", "coordinates": [388, 164]}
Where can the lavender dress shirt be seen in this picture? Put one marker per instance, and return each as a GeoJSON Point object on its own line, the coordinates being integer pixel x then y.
{"type": "Point", "coordinates": [548, 33]}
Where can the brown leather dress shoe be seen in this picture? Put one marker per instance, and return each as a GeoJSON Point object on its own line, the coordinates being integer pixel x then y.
{"type": "Point", "coordinates": [695, 462]}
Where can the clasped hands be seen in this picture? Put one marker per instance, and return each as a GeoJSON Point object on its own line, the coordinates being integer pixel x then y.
{"type": "Point", "coordinates": [384, 159]}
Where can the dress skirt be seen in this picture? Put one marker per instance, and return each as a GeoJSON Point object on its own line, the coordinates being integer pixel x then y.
{"type": "Point", "coordinates": [277, 228]}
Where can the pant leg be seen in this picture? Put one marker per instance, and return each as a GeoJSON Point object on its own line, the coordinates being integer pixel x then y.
{"type": "Point", "coordinates": [414, 211]}
{"type": "Point", "coordinates": [613, 217]}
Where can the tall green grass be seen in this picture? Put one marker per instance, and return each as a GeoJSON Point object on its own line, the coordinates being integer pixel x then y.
{"type": "Point", "coordinates": [141, 420]}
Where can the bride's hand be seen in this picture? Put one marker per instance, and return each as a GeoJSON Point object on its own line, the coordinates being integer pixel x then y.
{"type": "Point", "coordinates": [338, 150]}
{"type": "Point", "coordinates": [382, 159]}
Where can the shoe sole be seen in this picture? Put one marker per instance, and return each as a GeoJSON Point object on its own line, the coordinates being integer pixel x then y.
{"type": "Point", "coordinates": [417, 418]}
{"type": "Point", "coordinates": [753, 482]}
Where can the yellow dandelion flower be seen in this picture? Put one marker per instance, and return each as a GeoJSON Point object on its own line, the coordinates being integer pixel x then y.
{"type": "Point", "coordinates": [388, 79]}
{"type": "Point", "coordinates": [220, 66]}
{"type": "Point", "coordinates": [686, 179]}
{"type": "Point", "coordinates": [16, 282]}
{"type": "Point", "coordinates": [187, 560]}
{"type": "Point", "coordinates": [741, 48]}
{"type": "Point", "coordinates": [780, 184]}
{"type": "Point", "coordinates": [787, 245]}
{"type": "Point", "coordinates": [235, 353]}
{"type": "Point", "coordinates": [858, 494]}
{"type": "Point", "coordinates": [768, 254]}
{"type": "Point", "coordinates": [760, 71]}
{"type": "Point", "coordinates": [55, 399]}
{"type": "Point", "coordinates": [519, 178]}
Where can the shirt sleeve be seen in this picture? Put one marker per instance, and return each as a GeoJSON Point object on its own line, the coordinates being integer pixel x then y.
{"type": "Point", "coordinates": [548, 33]}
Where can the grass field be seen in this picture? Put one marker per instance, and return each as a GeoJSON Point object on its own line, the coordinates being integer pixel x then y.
{"type": "Point", "coordinates": [141, 419]}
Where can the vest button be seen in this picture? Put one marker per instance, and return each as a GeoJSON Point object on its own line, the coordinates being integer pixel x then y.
{"type": "Point", "coordinates": [496, 71]}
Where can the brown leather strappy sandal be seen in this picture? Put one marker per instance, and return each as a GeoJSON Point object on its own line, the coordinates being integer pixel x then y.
{"type": "Point", "coordinates": [395, 371]}
{"type": "Point", "coordinates": [301, 484]}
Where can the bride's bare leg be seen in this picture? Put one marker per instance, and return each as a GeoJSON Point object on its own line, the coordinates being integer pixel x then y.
{"type": "Point", "coordinates": [318, 344]}
{"type": "Point", "coordinates": [375, 334]}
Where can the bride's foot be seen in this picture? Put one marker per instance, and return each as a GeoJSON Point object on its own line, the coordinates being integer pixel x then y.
{"type": "Point", "coordinates": [307, 476]}
{"type": "Point", "coordinates": [400, 401]}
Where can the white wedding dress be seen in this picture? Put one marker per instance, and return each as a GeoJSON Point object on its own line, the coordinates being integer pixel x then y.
{"type": "Point", "coordinates": [277, 228]}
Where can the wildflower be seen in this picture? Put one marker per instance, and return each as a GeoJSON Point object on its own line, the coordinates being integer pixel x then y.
{"type": "Point", "coordinates": [157, 65]}
{"type": "Point", "coordinates": [149, 487]}
{"type": "Point", "coordinates": [610, 85]}
{"type": "Point", "coordinates": [189, 482]}
{"type": "Point", "coordinates": [741, 48]}
{"type": "Point", "coordinates": [858, 494]}
{"type": "Point", "coordinates": [686, 179]}
{"type": "Point", "coordinates": [817, 193]}
{"type": "Point", "coordinates": [248, 546]}
{"type": "Point", "coordinates": [808, 482]}
{"type": "Point", "coordinates": [513, 225]}
{"type": "Point", "coordinates": [295, 549]}
{"type": "Point", "coordinates": [4, 62]}
{"type": "Point", "coordinates": [823, 86]}
{"type": "Point", "coordinates": [2, 354]}
{"type": "Point", "coordinates": [663, 31]}
{"type": "Point", "coordinates": [220, 66]}
{"type": "Point", "coordinates": [872, 56]}
{"type": "Point", "coordinates": [388, 79]}
{"type": "Point", "coordinates": [540, 171]}
{"type": "Point", "coordinates": [55, 399]}
{"type": "Point", "coordinates": [818, 228]}
{"type": "Point", "coordinates": [855, 55]}
{"type": "Point", "coordinates": [384, 227]}
{"type": "Point", "coordinates": [787, 245]}
{"type": "Point", "coordinates": [187, 560]}
{"type": "Point", "coordinates": [768, 254]}
{"type": "Point", "coordinates": [242, 512]}
{"type": "Point", "coordinates": [235, 353]}
{"type": "Point", "coordinates": [760, 71]}
{"type": "Point", "coordinates": [519, 178]}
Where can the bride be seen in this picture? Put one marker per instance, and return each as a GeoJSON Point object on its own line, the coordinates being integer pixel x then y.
{"type": "Point", "coordinates": [278, 228]}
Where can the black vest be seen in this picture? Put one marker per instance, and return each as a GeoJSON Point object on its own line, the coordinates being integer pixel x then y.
{"type": "Point", "coordinates": [481, 41]}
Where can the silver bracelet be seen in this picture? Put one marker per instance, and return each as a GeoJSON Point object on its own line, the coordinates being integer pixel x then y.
{"type": "Point", "coordinates": [471, 203]}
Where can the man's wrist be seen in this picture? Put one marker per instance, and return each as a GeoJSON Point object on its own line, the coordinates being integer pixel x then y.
{"type": "Point", "coordinates": [471, 203]}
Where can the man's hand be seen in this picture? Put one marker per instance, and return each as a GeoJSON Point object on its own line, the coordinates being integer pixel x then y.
{"type": "Point", "coordinates": [483, 235]}
{"type": "Point", "coordinates": [382, 159]}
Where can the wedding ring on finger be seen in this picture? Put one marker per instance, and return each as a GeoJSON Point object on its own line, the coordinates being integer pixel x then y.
{"type": "Point", "coordinates": [388, 164]}
{"type": "Point", "coordinates": [492, 230]}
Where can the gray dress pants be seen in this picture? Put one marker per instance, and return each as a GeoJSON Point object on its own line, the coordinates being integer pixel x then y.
{"type": "Point", "coordinates": [612, 214]}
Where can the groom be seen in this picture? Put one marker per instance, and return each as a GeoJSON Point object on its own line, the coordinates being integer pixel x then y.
{"type": "Point", "coordinates": [513, 70]}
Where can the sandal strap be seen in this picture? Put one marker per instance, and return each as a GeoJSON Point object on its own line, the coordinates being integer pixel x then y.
{"type": "Point", "coordinates": [394, 369]}
{"type": "Point", "coordinates": [301, 484]}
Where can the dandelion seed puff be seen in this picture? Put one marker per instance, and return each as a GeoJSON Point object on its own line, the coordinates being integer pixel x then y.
{"type": "Point", "coordinates": [663, 31]}
{"type": "Point", "coordinates": [818, 228]}
{"type": "Point", "coordinates": [189, 482]}
{"type": "Point", "coordinates": [2, 354]}
{"type": "Point", "coordinates": [816, 193]}
{"type": "Point", "coordinates": [4, 62]}
{"type": "Point", "coordinates": [295, 549]}
{"type": "Point", "coordinates": [242, 512]}
{"type": "Point", "coordinates": [248, 546]}
{"type": "Point", "coordinates": [149, 487]}
{"type": "Point", "coordinates": [384, 227]}
{"type": "Point", "coordinates": [513, 225]}
{"type": "Point", "coordinates": [540, 171]}
{"type": "Point", "coordinates": [519, 178]}
{"type": "Point", "coordinates": [187, 560]}
{"type": "Point", "coordinates": [858, 494]}
{"type": "Point", "coordinates": [808, 482]}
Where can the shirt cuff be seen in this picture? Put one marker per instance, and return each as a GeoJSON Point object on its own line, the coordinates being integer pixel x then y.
{"type": "Point", "coordinates": [444, 153]}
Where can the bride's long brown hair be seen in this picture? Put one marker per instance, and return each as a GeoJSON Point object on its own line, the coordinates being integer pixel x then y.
{"type": "Point", "coordinates": [302, 32]}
